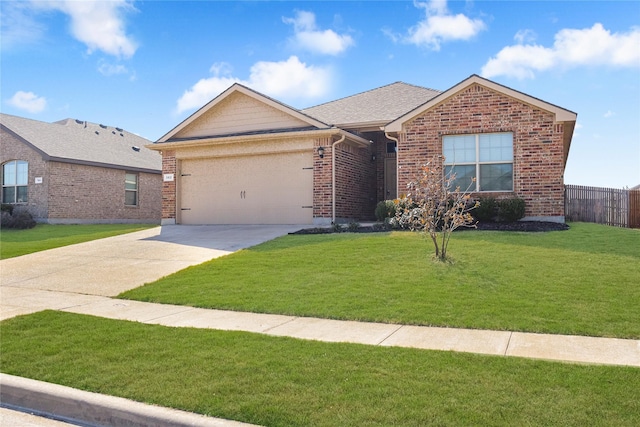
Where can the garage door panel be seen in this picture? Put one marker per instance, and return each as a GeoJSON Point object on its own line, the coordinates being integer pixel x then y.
{"type": "Point", "coordinates": [266, 189]}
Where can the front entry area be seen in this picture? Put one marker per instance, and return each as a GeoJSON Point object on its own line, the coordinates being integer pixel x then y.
{"type": "Point", "coordinates": [263, 189]}
{"type": "Point", "coordinates": [390, 177]}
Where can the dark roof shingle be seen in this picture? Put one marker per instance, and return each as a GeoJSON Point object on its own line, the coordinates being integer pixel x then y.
{"type": "Point", "coordinates": [381, 105]}
{"type": "Point", "coordinates": [84, 142]}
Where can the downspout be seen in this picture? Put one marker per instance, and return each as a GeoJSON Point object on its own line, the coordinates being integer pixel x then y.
{"type": "Point", "coordinates": [397, 151]}
{"type": "Point", "coordinates": [333, 178]}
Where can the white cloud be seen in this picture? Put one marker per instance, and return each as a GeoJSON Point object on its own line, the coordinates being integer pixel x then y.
{"type": "Point", "coordinates": [525, 36]}
{"type": "Point", "coordinates": [28, 101]}
{"type": "Point", "coordinates": [98, 24]}
{"type": "Point", "coordinates": [608, 114]}
{"type": "Point", "coordinates": [440, 26]}
{"type": "Point", "coordinates": [571, 48]}
{"type": "Point", "coordinates": [290, 80]}
{"type": "Point", "coordinates": [17, 25]}
{"type": "Point", "coordinates": [309, 37]}
{"type": "Point", "coordinates": [108, 69]}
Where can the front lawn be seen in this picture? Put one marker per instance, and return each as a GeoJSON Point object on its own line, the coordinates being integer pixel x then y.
{"type": "Point", "coordinates": [581, 281]}
{"type": "Point", "coordinates": [276, 381]}
{"type": "Point", "coordinates": [46, 236]}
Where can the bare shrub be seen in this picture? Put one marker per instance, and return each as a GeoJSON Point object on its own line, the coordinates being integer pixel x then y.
{"type": "Point", "coordinates": [434, 207]}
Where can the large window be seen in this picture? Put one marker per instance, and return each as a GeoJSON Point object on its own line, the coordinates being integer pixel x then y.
{"type": "Point", "coordinates": [488, 157]}
{"type": "Point", "coordinates": [15, 176]}
{"type": "Point", "coordinates": [131, 189]}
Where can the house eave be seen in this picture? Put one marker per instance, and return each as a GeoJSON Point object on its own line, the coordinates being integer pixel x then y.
{"type": "Point", "coordinates": [231, 139]}
{"type": "Point", "coordinates": [104, 165]}
{"type": "Point", "coordinates": [236, 87]}
{"type": "Point", "coordinates": [561, 114]}
{"type": "Point", "coordinates": [371, 126]}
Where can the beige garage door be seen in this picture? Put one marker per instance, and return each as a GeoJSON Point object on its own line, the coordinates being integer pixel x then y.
{"type": "Point", "coordinates": [265, 189]}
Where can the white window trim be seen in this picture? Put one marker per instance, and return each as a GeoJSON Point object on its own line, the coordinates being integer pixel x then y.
{"type": "Point", "coordinates": [16, 185]}
{"type": "Point", "coordinates": [478, 163]}
{"type": "Point", "coordinates": [126, 190]}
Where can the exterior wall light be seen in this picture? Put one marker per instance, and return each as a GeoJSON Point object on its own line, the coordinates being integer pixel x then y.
{"type": "Point", "coordinates": [321, 152]}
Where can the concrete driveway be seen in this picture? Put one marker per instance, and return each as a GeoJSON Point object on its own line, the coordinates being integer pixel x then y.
{"type": "Point", "coordinates": [81, 273]}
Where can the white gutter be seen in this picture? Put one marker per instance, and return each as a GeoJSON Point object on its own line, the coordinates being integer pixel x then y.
{"type": "Point", "coordinates": [333, 177]}
{"type": "Point", "coordinates": [386, 134]}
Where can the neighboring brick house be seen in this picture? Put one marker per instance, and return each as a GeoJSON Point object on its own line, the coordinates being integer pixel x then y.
{"type": "Point", "coordinates": [71, 172]}
{"type": "Point", "coordinates": [246, 158]}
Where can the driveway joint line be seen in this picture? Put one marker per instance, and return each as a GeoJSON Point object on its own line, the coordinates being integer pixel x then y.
{"type": "Point", "coordinates": [281, 324]}
{"type": "Point", "coordinates": [506, 350]}
{"type": "Point", "coordinates": [152, 320]}
{"type": "Point", "coordinates": [391, 334]}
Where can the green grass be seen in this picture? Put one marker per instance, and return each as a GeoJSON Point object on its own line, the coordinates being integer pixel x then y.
{"type": "Point", "coordinates": [277, 381]}
{"type": "Point", "coordinates": [582, 281]}
{"type": "Point", "coordinates": [14, 243]}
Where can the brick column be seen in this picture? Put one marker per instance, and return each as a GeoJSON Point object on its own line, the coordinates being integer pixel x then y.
{"type": "Point", "coordinates": [169, 187]}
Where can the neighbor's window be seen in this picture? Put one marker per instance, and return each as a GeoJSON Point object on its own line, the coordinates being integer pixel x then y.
{"type": "Point", "coordinates": [488, 157]}
{"type": "Point", "coordinates": [15, 176]}
{"type": "Point", "coordinates": [131, 189]}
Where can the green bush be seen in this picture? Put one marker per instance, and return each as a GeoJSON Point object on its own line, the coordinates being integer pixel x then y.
{"type": "Point", "coordinates": [510, 210]}
{"type": "Point", "coordinates": [353, 226]}
{"type": "Point", "coordinates": [18, 219]}
{"type": "Point", "coordinates": [385, 209]}
{"type": "Point", "coordinates": [487, 210]}
{"type": "Point", "coordinates": [7, 207]}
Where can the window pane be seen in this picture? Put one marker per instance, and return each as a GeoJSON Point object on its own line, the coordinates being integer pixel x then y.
{"type": "Point", "coordinates": [464, 176]}
{"type": "Point", "coordinates": [130, 198]}
{"type": "Point", "coordinates": [131, 181]}
{"type": "Point", "coordinates": [496, 147]}
{"type": "Point", "coordinates": [22, 173]}
{"type": "Point", "coordinates": [496, 177]}
{"type": "Point", "coordinates": [9, 173]}
{"type": "Point", "coordinates": [22, 194]}
{"type": "Point", "coordinates": [9, 195]}
{"type": "Point", "coordinates": [459, 149]}
{"type": "Point", "coordinates": [391, 147]}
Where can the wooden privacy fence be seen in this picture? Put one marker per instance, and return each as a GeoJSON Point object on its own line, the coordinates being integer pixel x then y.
{"type": "Point", "coordinates": [610, 206]}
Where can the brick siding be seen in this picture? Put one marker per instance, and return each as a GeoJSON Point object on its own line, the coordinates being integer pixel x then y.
{"type": "Point", "coordinates": [355, 182]}
{"type": "Point", "coordinates": [74, 193]}
{"type": "Point", "coordinates": [322, 191]}
{"type": "Point", "coordinates": [12, 148]}
{"type": "Point", "coordinates": [169, 166]}
{"type": "Point", "coordinates": [82, 193]}
{"type": "Point", "coordinates": [537, 143]}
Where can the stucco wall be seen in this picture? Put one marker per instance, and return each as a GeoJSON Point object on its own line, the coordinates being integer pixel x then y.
{"type": "Point", "coordinates": [538, 151]}
{"type": "Point", "coordinates": [12, 148]}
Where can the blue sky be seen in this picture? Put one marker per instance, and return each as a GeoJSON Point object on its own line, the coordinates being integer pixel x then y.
{"type": "Point", "coordinates": [147, 65]}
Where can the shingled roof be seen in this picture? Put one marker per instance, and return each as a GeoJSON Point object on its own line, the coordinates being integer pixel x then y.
{"type": "Point", "coordinates": [76, 141]}
{"type": "Point", "coordinates": [375, 107]}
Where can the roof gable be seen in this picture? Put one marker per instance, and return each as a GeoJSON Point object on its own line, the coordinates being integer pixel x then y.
{"type": "Point", "coordinates": [240, 110]}
{"type": "Point", "coordinates": [562, 115]}
{"type": "Point", "coordinates": [76, 141]}
{"type": "Point", "coordinates": [372, 108]}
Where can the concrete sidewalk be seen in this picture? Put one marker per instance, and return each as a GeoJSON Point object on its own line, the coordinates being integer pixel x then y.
{"type": "Point", "coordinates": [565, 348]}
{"type": "Point", "coordinates": [579, 349]}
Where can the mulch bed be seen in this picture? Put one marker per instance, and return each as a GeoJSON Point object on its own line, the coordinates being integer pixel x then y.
{"type": "Point", "coordinates": [528, 226]}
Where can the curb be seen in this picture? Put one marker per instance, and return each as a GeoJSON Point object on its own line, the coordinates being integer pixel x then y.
{"type": "Point", "coordinates": [94, 410]}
